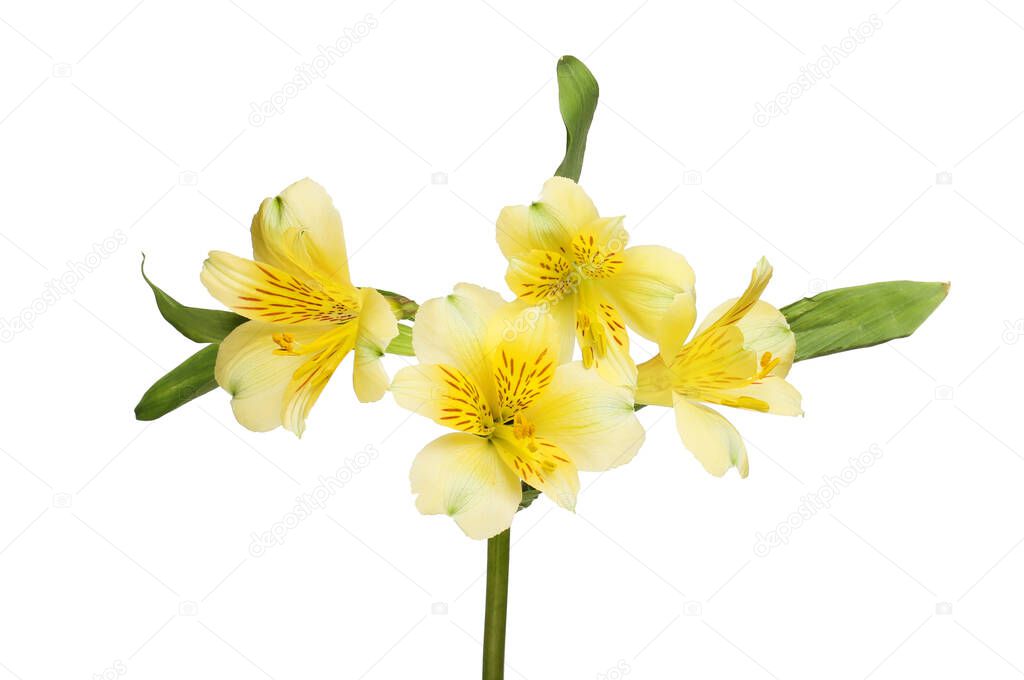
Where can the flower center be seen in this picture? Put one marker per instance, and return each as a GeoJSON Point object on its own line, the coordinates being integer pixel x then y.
{"type": "Point", "coordinates": [595, 260]}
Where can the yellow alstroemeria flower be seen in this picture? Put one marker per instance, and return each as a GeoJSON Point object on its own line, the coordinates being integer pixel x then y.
{"type": "Point", "coordinates": [574, 263]}
{"type": "Point", "coordinates": [306, 315]}
{"type": "Point", "coordinates": [738, 357]}
{"type": "Point", "coordinates": [518, 413]}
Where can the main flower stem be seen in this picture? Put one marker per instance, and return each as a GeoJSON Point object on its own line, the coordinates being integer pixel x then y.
{"type": "Point", "coordinates": [496, 606]}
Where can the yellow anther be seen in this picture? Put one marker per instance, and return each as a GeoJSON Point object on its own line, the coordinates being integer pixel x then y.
{"type": "Point", "coordinates": [285, 343]}
{"type": "Point", "coordinates": [523, 429]}
{"type": "Point", "coordinates": [768, 364]}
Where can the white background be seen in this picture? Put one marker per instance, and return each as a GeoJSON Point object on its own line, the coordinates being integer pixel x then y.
{"type": "Point", "coordinates": [124, 546]}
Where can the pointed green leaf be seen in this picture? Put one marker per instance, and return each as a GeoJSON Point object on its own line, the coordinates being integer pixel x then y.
{"type": "Point", "coordinates": [195, 323]}
{"type": "Point", "coordinates": [192, 378]}
{"type": "Point", "coordinates": [577, 99]}
{"type": "Point", "coordinates": [861, 316]}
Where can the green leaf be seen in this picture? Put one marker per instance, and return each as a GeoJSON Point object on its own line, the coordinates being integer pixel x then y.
{"type": "Point", "coordinates": [530, 494]}
{"type": "Point", "coordinates": [197, 324]}
{"type": "Point", "coordinates": [861, 316]}
{"type": "Point", "coordinates": [192, 378]}
{"type": "Point", "coordinates": [577, 99]}
{"type": "Point", "coordinates": [402, 344]}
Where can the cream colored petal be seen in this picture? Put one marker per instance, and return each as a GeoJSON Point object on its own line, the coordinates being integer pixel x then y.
{"type": "Point", "coordinates": [257, 378]}
{"type": "Point", "coordinates": [654, 383]}
{"type": "Point", "coordinates": [675, 326]}
{"type": "Point", "coordinates": [710, 437]}
{"type": "Point", "coordinates": [772, 394]}
{"type": "Point", "coordinates": [453, 330]}
{"type": "Point", "coordinates": [568, 202]}
{"type": "Point", "coordinates": [444, 394]}
{"type": "Point", "coordinates": [261, 291]}
{"type": "Point", "coordinates": [541, 464]}
{"type": "Point", "coordinates": [300, 231]}
{"type": "Point", "coordinates": [590, 419]}
{"type": "Point", "coordinates": [764, 329]}
{"type": "Point", "coordinates": [649, 282]}
{"type": "Point", "coordinates": [462, 476]}
{"type": "Point", "coordinates": [377, 327]}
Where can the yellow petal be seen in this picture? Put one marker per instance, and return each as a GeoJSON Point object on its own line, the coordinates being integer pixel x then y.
{"type": "Point", "coordinates": [675, 326]}
{"type": "Point", "coordinates": [548, 224]}
{"type": "Point", "coordinates": [590, 419]}
{"type": "Point", "coordinates": [764, 329]}
{"type": "Point", "coordinates": [541, 464]}
{"type": "Point", "coordinates": [522, 228]}
{"type": "Point", "coordinates": [542, 276]}
{"type": "Point", "coordinates": [453, 330]}
{"type": "Point", "coordinates": [312, 376]}
{"type": "Point", "coordinates": [299, 231]}
{"type": "Point", "coordinates": [602, 337]}
{"type": "Point", "coordinates": [463, 476]}
{"type": "Point", "coordinates": [759, 279]}
{"type": "Point", "coordinates": [444, 394]}
{"type": "Point", "coordinates": [524, 363]}
{"type": "Point", "coordinates": [377, 327]}
{"type": "Point", "coordinates": [252, 368]}
{"type": "Point", "coordinates": [654, 383]}
{"type": "Point", "coordinates": [710, 437]}
{"type": "Point", "coordinates": [568, 202]}
{"type": "Point", "coordinates": [262, 291]}
{"type": "Point", "coordinates": [649, 281]}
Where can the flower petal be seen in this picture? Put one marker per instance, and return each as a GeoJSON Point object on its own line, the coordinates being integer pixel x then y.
{"type": "Point", "coordinates": [541, 464]}
{"type": "Point", "coordinates": [299, 231]}
{"type": "Point", "coordinates": [654, 383]}
{"type": "Point", "coordinates": [250, 367]}
{"type": "Point", "coordinates": [522, 228]}
{"type": "Point", "coordinates": [710, 437]}
{"type": "Point", "coordinates": [312, 376]}
{"type": "Point", "coordinates": [547, 224]}
{"type": "Point", "coordinates": [647, 284]}
{"type": "Point", "coordinates": [770, 395]}
{"type": "Point", "coordinates": [603, 338]}
{"type": "Point", "coordinates": [590, 419]}
{"type": "Point", "coordinates": [463, 476]}
{"type": "Point", "coordinates": [453, 330]}
{"type": "Point", "coordinates": [377, 327]}
{"type": "Point", "coordinates": [764, 329]}
{"type": "Point", "coordinates": [524, 362]}
{"type": "Point", "coordinates": [759, 279]}
{"type": "Point", "coordinates": [444, 394]}
{"type": "Point", "coordinates": [568, 202]}
{"type": "Point", "coordinates": [262, 291]}
{"type": "Point", "coordinates": [539, 276]}
{"type": "Point", "coordinates": [675, 326]}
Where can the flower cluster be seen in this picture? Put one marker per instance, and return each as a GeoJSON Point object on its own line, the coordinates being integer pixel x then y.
{"type": "Point", "coordinates": [500, 374]}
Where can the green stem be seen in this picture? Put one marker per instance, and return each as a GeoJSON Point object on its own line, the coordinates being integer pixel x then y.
{"type": "Point", "coordinates": [496, 606]}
